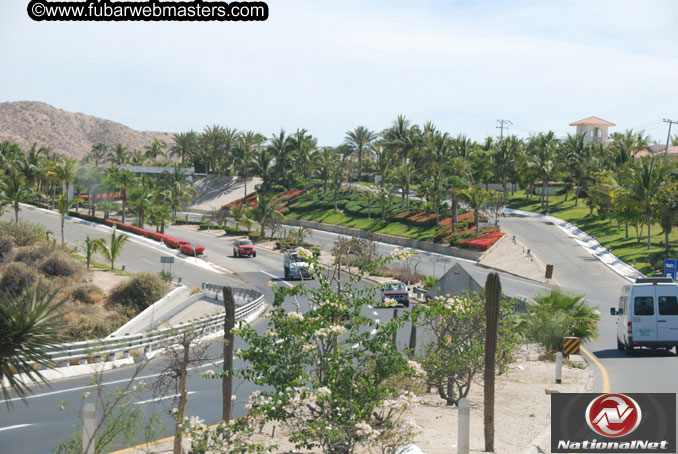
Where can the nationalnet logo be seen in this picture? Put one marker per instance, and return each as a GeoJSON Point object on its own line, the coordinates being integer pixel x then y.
{"type": "Point", "coordinates": [613, 423]}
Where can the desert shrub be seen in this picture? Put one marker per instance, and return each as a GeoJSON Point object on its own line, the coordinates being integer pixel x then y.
{"type": "Point", "coordinates": [93, 326]}
{"type": "Point", "coordinates": [17, 278]}
{"type": "Point", "coordinates": [34, 254]}
{"type": "Point", "coordinates": [87, 293]}
{"type": "Point", "coordinates": [60, 264]}
{"type": "Point", "coordinates": [142, 290]}
{"type": "Point", "coordinates": [24, 234]}
{"type": "Point", "coordinates": [6, 245]}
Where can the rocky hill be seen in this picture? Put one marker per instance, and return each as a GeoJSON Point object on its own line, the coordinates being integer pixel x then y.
{"type": "Point", "coordinates": [66, 133]}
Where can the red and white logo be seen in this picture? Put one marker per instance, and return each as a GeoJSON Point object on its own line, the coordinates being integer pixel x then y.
{"type": "Point", "coordinates": [613, 415]}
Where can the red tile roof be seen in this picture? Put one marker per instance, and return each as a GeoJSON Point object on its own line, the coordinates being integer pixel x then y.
{"type": "Point", "coordinates": [593, 121]}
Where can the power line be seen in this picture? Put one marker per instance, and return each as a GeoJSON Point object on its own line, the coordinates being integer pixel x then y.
{"type": "Point", "coordinates": [668, 137]}
{"type": "Point", "coordinates": [501, 127]}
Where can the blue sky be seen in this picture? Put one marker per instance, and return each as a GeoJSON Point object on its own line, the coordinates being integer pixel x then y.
{"type": "Point", "coordinates": [329, 66]}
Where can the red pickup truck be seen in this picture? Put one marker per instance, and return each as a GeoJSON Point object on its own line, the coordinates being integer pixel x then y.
{"type": "Point", "coordinates": [396, 291]}
{"type": "Point", "coordinates": [243, 248]}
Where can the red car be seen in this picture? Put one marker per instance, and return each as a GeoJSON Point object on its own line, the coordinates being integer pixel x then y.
{"type": "Point", "coordinates": [396, 291]}
{"type": "Point", "coordinates": [243, 248]}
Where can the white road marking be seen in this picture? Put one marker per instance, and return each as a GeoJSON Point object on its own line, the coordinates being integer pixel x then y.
{"type": "Point", "coordinates": [371, 307]}
{"type": "Point", "coordinates": [15, 427]}
{"type": "Point", "coordinates": [374, 313]}
{"type": "Point", "coordinates": [113, 382]}
{"type": "Point", "coordinates": [373, 332]}
{"type": "Point", "coordinates": [158, 399]}
{"type": "Point", "coordinates": [280, 280]}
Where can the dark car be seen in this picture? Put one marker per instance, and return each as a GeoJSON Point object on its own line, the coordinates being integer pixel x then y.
{"type": "Point", "coordinates": [243, 248]}
{"type": "Point", "coordinates": [396, 291]}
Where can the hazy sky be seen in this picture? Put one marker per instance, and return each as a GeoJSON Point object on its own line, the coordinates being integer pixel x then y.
{"type": "Point", "coordinates": [329, 66]}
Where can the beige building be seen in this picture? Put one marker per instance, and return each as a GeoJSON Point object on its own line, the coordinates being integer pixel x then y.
{"type": "Point", "coordinates": [594, 128]}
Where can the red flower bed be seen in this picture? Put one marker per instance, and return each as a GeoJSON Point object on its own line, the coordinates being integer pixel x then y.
{"type": "Point", "coordinates": [483, 242]}
{"type": "Point", "coordinates": [187, 249]}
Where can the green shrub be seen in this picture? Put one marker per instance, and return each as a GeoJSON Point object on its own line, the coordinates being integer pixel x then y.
{"type": "Point", "coordinates": [255, 236]}
{"type": "Point", "coordinates": [61, 264]}
{"type": "Point", "coordinates": [166, 276]}
{"type": "Point", "coordinates": [17, 278]}
{"type": "Point", "coordinates": [32, 255]}
{"type": "Point", "coordinates": [556, 314]}
{"type": "Point", "coordinates": [142, 290]}
{"type": "Point", "coordinates": [24, 234]}
{"type": "Point", "coordinates": [87, 293]}
{"type": "Point", "coordinates": [428, 282]}
{"type": "Point", "coordinates": [6, 246]}
{"type": "Point", "coordinates": [657, 258]}
{"type": "Point", "coordinates": [207, 225]}
{"type": "Point", "coordinates": [315, 250]}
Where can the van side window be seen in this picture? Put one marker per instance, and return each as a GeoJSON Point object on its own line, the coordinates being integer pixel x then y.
{"type": "Point", "coordinates": [643, 305]}
{"type": "Point", "coordinates": [668, 305]}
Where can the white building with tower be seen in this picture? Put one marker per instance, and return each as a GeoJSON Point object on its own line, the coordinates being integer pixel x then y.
{"type": "Point", "coordinates": [594, 128]}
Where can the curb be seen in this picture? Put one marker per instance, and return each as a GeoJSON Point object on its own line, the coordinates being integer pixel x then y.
{"type": "Point", "coordinates": [588, 243]}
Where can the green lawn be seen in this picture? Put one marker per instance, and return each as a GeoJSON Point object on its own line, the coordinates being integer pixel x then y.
{"type": "Point", "coordinates": [372, 225]}
{"type": "Point", "coordinates": [605, 231]}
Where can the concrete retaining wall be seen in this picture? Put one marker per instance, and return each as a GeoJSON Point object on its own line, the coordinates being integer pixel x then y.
{"type": "Point", "coordinates": [390, 239]}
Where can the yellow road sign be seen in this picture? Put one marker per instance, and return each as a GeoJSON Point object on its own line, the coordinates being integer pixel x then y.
{"type": "Point", "coordinates": [570, 345]}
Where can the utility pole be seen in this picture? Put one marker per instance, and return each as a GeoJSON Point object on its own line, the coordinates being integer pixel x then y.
{"type": "Point", "coordinates": [668, 137]}
{"type": "Point", "coordinates": [501, 127]}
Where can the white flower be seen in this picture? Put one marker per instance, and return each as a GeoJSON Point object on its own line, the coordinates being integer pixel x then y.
{"type": "Point", "coordinates": [304, 253]}
{"type": "Point", "coordinates": [390, 302]}
{"type": "Point", "coordinates": [196, 421]}
{"type": "Point", "coordinates": [416, 367]}
{"type": "Point", "coordinates": [364, 429]}
{"type": "Point", "coordinates": [295, 316]}
{"type": "Point", "coordinates": [322, 332]}
{"type": "Point", "coordinates": [174, 411]}
{"type": "Point", "coordinates": [308, 347]}
{"type": "Point", "coordinates": [85, 395]}
{"type": "Point", "coordinates": [337, 329]}
{"type": "Point", "coordinates": [270, 333]}
{"type": "Point", "coordinates": [208, 374]}
{"type": "Point", "coordinates": [248, 406]}
{"type": "Point", "coordinates": [233, 397]}
{"type": "Point", "coordinates": [324, 390]}
{"type": "Point", "coordinates": [238, 352]}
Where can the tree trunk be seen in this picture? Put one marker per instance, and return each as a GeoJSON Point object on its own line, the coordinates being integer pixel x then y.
{"type": "Point", "coordinates": [576, 195]}
{"type": "Point", "coordinates": [477, 219]}
{"type": "Point", "coordinates": [503, 182]}
{"type": "Point", "coordinates": [183, 396]}
{"type": "Point", "coordinates": [666, 240]}
{"type": "Point", "coordinates": [453, 203]}
{"type": "Point", "coordinates": [227, 380]}
{"type": "Point", "coordinates": [360, 163]}
{"type": "Point", "coordinates": [492, 297]}
{"type": "Point", "coordinates": [16, 213]}
{"type": "Point", "coordinates": [649, 223]}
{"type": "Point", "coordinates": [324, 190]}
{"type": "Point", "coordinates": [395, 331]}
{"type": "Point", "coordinates": [124, 203]}
{"type": "Point", "coordinates": [413, 334]}
{"type": "Point", "coordinates": [62, 229]}
{"type": "Point", "coordinates": [626, 228]}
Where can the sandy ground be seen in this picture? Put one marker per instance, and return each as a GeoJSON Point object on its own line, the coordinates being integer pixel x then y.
{"type": "Point", "coordinates": [510, 257]}
{"type": "Point", "coordinates": [106, 280]}
{"type": "Point", "coordinates": [215, 191]}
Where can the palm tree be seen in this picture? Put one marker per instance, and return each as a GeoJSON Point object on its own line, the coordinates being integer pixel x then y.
{"type": "Point", "coordinates": [383, 162]}
{"type": "Point", "coordinates": [244, 152]}
{"type": "Point", "coordinates": [66, 171]}
{"type": "Point", "coordinates": [154, 149]}
{"type": "Point", "coordinates": [544, 148]}
{"type": "Point", "coordinates": [14, 189]}
{"type": "Point", "coordinates": [90, 248]}
{"type": "Point", "coordinates": [263, 166]}
{"type": "Point", "coordinates": [266, 212]}
{"type": "Point", "coordinates": [281, 147]}
{"type": "Point", "coordinates": [336, 180]}
{"type": "Point", "coordinates": [327, 158]}
{"type": "Point", "coordinates": [142, 197]}
{"type": "Point", "coordinates": [63, 206]}
{"type": "Point", "coordinates": [403, 176]}
{"type": "Point", "coordinates": [30, 324]}
{"type": "Point", "coordinates": [122, 180]}
{"type": "Point", "coordinates": [504, 158]}
{"type": "Point", "coordinates": [180, 193]}
{"type": "Point", "coordinates": [577, 156]}
{"type": "Point", "coordinates": [476, 199]}
{"type": "Point", "coordinates": [185, 144]}
{"type": "Point", "coordinates": [118, 155]}
{"type": "Point", "coordinates": [360, 139]}
{"type": "Point", "coordinates": [98, 153]}
{"type": "Point", "coordinates": [647, 177]}
{"type": "Point", "coordinates": [111, 250]}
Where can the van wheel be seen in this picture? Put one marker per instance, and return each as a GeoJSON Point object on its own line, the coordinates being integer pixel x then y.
{"type": "Point", "coordinates": [628, 349]}
{"type": "Point", "coordinates": [620, 346]}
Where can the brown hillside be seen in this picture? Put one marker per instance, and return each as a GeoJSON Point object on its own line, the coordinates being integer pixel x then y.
{"type": "Point", "coordinates": [66, 133]}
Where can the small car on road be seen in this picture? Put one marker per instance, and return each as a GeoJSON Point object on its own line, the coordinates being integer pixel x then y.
{"type": "Point", "coordinates": [396, 291]}
{"type": "Point", "coordinates": [243, 247]}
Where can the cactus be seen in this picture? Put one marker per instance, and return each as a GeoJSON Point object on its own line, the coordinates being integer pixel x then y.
{"type": "Point", "coordinates": [492, 297]}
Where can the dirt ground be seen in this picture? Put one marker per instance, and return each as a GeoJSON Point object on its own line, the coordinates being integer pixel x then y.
{"type": "Point", "coordinates": [106, 280]}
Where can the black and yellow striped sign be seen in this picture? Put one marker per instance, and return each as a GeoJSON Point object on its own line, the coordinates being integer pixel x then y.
{"type": "Point", "coordinates": [570, 345]}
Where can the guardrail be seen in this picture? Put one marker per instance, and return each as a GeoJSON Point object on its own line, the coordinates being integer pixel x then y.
{"type": "Point", "coordinates": [108, 349]}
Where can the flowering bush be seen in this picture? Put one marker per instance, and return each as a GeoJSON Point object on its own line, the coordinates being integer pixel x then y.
{"type": "Point", "coordinates": [484, 242]}
{"type": "Point", "coordinates": [326, 371]}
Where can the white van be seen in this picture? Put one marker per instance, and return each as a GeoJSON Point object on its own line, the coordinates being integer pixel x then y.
{"type": "Point", "coordinates": [647, 315]}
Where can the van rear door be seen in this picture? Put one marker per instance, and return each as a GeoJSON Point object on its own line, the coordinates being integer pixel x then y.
{"type": "Point", "coordinates": [644, 316]}
{"type": "Point", "coordinates": [667, 318]}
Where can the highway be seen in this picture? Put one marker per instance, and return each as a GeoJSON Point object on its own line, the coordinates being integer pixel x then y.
{"type": "Point", "coordinates": [575, 270]}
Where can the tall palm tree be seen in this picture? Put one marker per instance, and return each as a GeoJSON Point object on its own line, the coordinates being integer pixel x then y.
{"type": "Point", "coordinates": [544, 158]}
{"type": "Point", "coordinates": [383, 162]}
{"type": "Point", "coordinates": [243, 153]}
{"type": "Point", "coordinates": [263, 166]}
{"type": "Point", "coordinates": [122, 180]}
{"type": "Point", "coordinates": [30, 324]}
{"type": "Point", "coordinates": [403, 176]}
{"type": "Point", "coordinates": [180, 193]}
{"type": "Point", "coordinates": [266, 212]}
{"type": "Point", "coordinates": [112, 249]}
{"type": "Point", "coordinates": [155, 148]}
{"type": "Point", "coordinates": [504, 157]}
{"type": "Point", "coordinates": [281, 147]}
{"type": "Point", "coordinates": [98, 153]}
{"type": "Point", "coordinates": [476, 199]}
{"type": "Point", "coordinates": [118, 155]}
{"type": "Point", "coordinates": [185, 144]}
{"type": "Point", "coordinates": [63, 206]}
{"type": "Point", "coordinates": [625, 145]}
{"type": "Point", "coordinates": [647, 176]}
{"type": "Point", "coordinates": [360, 139]}
{"type": "Point", "coordinates": [66, 171]}
{"type": "Point", "coordinates": [14, 190]}
{"type": "Point", "coordinates": [142, 196]}
{"type": "Point", "coordinates": [327, 159]}
{"type": "Point", "coordinates": [577, 156]}
{"type": "Point", "coordinates": [212, 143]}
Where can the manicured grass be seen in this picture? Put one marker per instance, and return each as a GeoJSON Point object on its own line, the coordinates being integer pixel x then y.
{"type": "Point", "coordinates": [605, 230]}
{"type": "Point", "coordinates": [372, 225]}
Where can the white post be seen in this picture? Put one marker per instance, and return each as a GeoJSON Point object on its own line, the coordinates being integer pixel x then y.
{"type": "Point", "coordinates": [89, 421]}
{"type": "Point", "coordinates": [464, 426]}
{"type": "Point", "coordinates": [559, 367]}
